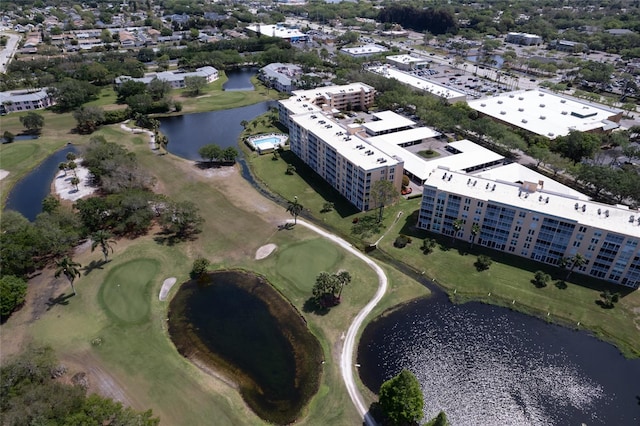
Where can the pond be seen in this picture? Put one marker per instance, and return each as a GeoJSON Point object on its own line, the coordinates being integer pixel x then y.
{"type": "Point", "coordinates": [499, 60]}
{"type": "Point", "coordinates": [239, 79]}
{"type": "Point", "coordinates": [237, 323]}
{"type": "Point", "coordinates": [27, 195]}
{"type": "Point", "coordinates": [18, 138]}
{"type": "Point", "coordinates": [485, 365]}
{"type": "Point", "coordinates": [187, 133]}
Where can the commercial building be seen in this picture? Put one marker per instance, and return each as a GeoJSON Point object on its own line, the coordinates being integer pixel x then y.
{"type": "Point", "coordinates": [407, 62]}
{"type": "Point", "coordinates": [548, 114]}
{"type": "Point", "coordinates": [523, 39]}
{"type": "Point", "coordinates": [528, 215]}
{"type": "Point", "coordinates": [442, 91]}
{"type": "Point", "coordinates": [24, 100]}
{"type": "Point", "coordinates": [343, 159]}
{"type": "Point", "coordinates": [280, 31]}
{"type": "Point", "coordinates": [175, 78]}
{"type": "Point", "coordinates": [364, 51]}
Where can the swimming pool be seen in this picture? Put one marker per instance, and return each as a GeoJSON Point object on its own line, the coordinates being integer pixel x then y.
{"type": "Point", "coordinates": [267, 142]}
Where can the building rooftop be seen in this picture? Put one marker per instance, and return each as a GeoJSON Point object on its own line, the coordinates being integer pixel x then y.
{"type": "Point", "coordinates": [545, 113]}
{"type": "Point", "coordinates": [277, 30]}
{"type": "Point", "coordinates": [367, 49]}
{"type": "Point", "coordinates": [436, 89]}
{"type": "Point", "coordinates": [535, 197]}
{"type": "Point", "coordinates": [387, 120]}
{"type": "Point", "coordinates": [353, 148]}
{"type": "Point", "coordinates": [406, 59]}
{"type": "Point", "coordinates": [16, 96]}
{"type": "Point", "coordinates": [406, 136]}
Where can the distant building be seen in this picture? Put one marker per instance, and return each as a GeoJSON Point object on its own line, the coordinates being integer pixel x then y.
{"type": "Point", "coordinates": [523, 39]}
{"type": "Point", "coordinates": [619, 31]}
{"type": "Point", "coordinates": [280, 77]}
{"type": "Point", "coordinates": [364, 51]}
{"type": "Point", "coordinates": [175, 78]}
{"type": "Point", "coordinates": [567, 46]}
{"type": "Point", "coordinates": [448, 93]}
{"type": "Point", "coordinates": [24, 100]}
{"type": "Point", "coordinates": [407, 62]}
{"type": "Point", "coordinates": [294, 35]}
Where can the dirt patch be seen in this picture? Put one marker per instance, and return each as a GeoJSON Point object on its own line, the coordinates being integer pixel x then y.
{"type": "Point", "coordinates": [265, 251]}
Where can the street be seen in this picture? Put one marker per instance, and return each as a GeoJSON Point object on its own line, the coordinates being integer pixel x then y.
{"type": "Point", "coordinates": [7, 53]}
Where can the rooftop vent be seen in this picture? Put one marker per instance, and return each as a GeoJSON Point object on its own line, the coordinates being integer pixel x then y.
{"type": "Point", "coordinates": [563, 101]}
{"type": "Point", "coordinates": [599, 211]}
{"type": "Point", "coordinates": [483, 105]}
{"type": "Point", "coordinates": [547, 201]}
{"type": "Point", "coordinates": [541, 105]}
{"type": "Point", "coordinates": [449, 178]}
{"type": "Point", "coordinates": [520, 109]}
{"type": "Point", "coordinates": [541, 94]}
{"type": "Point", "coordinates": [494, 187]}
{"type": "Point", "coordinates": [550, 134]}
{"type": "Point", "coordinates": [606, 213]}
{"type": "Point", "coordinates": [503, 112]}
{"type": "Point", "coordinates": [468, 181]}
{"type": "Point", "coordinates": [520, 98]}
{"type": "Point", "coordinates": [524, 120]}
{"type": "Point", "coordinates": [487, 186]}
{"type": "Point", "coordinates": [475, 182]}
{"type": "Point", "coordinates": [584, 208]}
{"type": "Point", "coordinates": [564, 113]}
{"type": "Point", "coordinates": [499, 102]}
{"type": "Point", "coordinates": [444, 176]}
{"type": "Point", "coordinates": [511, 96]}
{"type": "Point", "coordinates": [577, 206]}
{"type": "Point", "coordinates": [632, 219]}
{"type": "Point", "coordinates": [542, 117]}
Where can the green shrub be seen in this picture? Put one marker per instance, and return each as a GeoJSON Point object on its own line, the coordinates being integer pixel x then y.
{"type": "Point", "coordinates": [12, 293]}
{"type": "Point", "coordinates": [199, 268]}
{"type": "Point", "coordinates": [483, 262]}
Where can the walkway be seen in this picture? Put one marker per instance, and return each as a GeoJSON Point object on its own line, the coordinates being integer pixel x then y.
{"type": "Point", "coordinates": [346, 357]}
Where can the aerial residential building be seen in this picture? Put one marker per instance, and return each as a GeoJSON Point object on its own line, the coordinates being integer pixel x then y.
{"type": "Point", "coordinates": [280, 31]}
{"type": "Point", "coordinates": [548, 114]}
{"type": "Point", "coordinates": [529, 215]}
{"type": "Point", "coordinates": [523, 39]}
{"type": "Point", "coordinates": [281, 77]}
{"type": "Point", "coordinates": [24, 100]}
{"type": "Point", "coordinates": [175, 78]}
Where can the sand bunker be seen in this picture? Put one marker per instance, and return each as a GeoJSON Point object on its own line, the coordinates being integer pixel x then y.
{"type": "Point", "coordinates": [3, 174]}
{"type": "Point", "coordinates": [166, 288]}
{"type": "Point", "coordinates": [265, 251]}
{"type": "Point", "coordinates": [66, 190]}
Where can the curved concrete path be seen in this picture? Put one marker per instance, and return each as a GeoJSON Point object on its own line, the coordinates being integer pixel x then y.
{"type": "Point", "coordinates": [346, 357]}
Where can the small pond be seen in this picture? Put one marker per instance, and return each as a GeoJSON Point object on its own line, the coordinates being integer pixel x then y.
{"type": "Point", "coordinates": [498, 64]}
{"type": "Point", "coordinates": [239, 79]}
{"type": "Point", "coordinates": [485, 365]}
{"type": "Point", "coordinates": [18, 138]}
{"type": "Point", "coordinates": [187, 133]}
{"type": "Point", "coordinates": [237, 323]}
{"type": "Point", "coordinates": [27, 195]}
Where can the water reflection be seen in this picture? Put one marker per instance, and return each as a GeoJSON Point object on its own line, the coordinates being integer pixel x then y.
{"type": "Point", "coordinates": [239, 79]}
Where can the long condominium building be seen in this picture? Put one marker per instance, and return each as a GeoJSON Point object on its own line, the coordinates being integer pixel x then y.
{"type": "Point", "coordinates": [341, 157]}
{"type": "Point", "coordinates": [536, 219]}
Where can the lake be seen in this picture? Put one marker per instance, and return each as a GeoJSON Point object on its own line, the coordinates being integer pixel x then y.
{"type": "Point", "coordinates": [236, 322]}
{"type": "Point", "coordinates": [486, 365]}
{"type": "Point", "coordinates": [239, 79]}
{"type": "Point", "coordinates": [187, 133]}
{"type": "Point", "coordinates": [27, 195]}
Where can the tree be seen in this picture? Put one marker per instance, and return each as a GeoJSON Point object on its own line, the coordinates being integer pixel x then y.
{"type": "Point", "coordinates": [401, 399]}
{"type": "Point", "coordinates": [50, 204]}
{"type": "Point", "coordinates": [8, 136]}
{"type": "Point", "coordinates": [572, 262]}
{"type": "Point", "coordinates": [577, 145]}
{"type": "Point", "coordinates": [63, 167]}
{"type": "Point", "coordinates": [88, 119]}
{"type": "Point", "coordinates": [323, 289]}
{"type": "Point", "coordinates": [609, 299]}
{"type": "Point", "coordinates": [439, 420]}
{"type": "Point", "coordinates": [229, 154]}
{"type": "Point", "coordinates": [70, 269]}
{"type": "Point", "coordinates": [75, 181]}
{"type": "Point", "coordinates": [483, 262]}
{"type": "Point", "coordinates": [383, 192]}
{"type": "Point", "coordinates": [12, 294]}
{"type": "Point", "coordinates": [158, 89]}
{"type": "Point", "coordinates": [343, 278]}
{"type": "Point", "coordinates": [326, 207]}
{"type": "Point", "coordinates": [295, 208]}
{"type": "Point", "coordinates": [130, 88]}
{"type": "Point", "coordinates": [199, 268]}
{"type": "Point", "coordinates": [70, 93]}
{"type": "Point", "coordinates": [428, 244]}
{"type": "Point", "coordinates": [457, 226]}
{"type": "Point", "coordinates": [195, 84]}
{"type": "Point", "coordinates": [475, 230]}
{"type": "Point", "coordinates": [210, 152]}
{"type": "Point", "coordinates": [291, 169]}
{"type": "Point", "coordinates": [539, 153]}
{"type": "Point", "coordinates": [141, 103]}
{"type": "Point", "coordinates": [103, 239]}
{"type": "Point", "coordinates": [181, 218]}
{"type": "Point", "coordinates": [72, 165]}
{"type": "Point", "coordinates": [541, 279]}
{"type": "Point", "coordinates": [33, 122]}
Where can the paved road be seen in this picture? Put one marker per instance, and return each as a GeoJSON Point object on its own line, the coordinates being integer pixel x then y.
{"type": "Point", "coordinates": [7, 53]}
{"type": "Point", "coordinates": [346, 357]}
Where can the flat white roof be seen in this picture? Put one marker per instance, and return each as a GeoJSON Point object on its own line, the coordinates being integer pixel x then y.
{"type": "Point", "coordinates": [367, 49]}
{"type": "Point", "coordinates": [470, 155]}
{"type": "Point", "coordinates": [331, 90]}
{"type": "Point", "coordinates": [419, 83]}
{"type": "Point", "coordinates": [387, 120]}
{"type": "Point", "coordinates": [279, 31]}
{"type": "Point", "coordinates": [611, 218]}
{"type": "Point", "coordinates": [406, 136]}
{"type": "Point", "coordinates": [351, 147]}
{"type": "Point", "coordinates": [406, 59]}
{"type": "Point", "coordinates": [545, 113]}
{"type": "Point", "coordinates": [515, 172]}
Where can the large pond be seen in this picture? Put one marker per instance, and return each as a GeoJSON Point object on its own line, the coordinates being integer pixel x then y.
{"type": "Point", "coordinates": [27, 195]}
{"type": "Point", "coordinates": [239, 79]}
{"type": "Point", "coordinates": [485, 365]}
{"type": "Point", "coordinates": [237, 323]}
{"type": "Point", "coordinates": [187, 133]}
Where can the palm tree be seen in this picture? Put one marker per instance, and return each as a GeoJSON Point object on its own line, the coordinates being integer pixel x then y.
{"type": "Point", "coordinates": [69, 268]}
{"type": "Point", "coordinates": [75, 182]}
{"type": "Point", "coordinates": [428, 244]}
{"type": "Point", "coordinates": [72, 166]}
{"type": "Point", "coordinates": [63, 167]}
{"type": "Point", "coordinates": [577, 260]}
{"type": "Point", "coordinates": [295, 208]}
{"type": "Point", "coordinates": [475, 230]}
{"type": "Point", "coordinates": [343, 278]}
{"type": "Point", "coordinates": [457, 226]}
{"type": "Point", "coordinates": [103, 239]}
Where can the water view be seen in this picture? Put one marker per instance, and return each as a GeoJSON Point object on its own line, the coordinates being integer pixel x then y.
{"type": "Point", "coordinates": [239, 79]}
{"type": "Point", "coordinates": [187, 133]}
{"type": "Point", "coordinates": [486, 365]}
{"type": "Point", "coordinates": [236, 322]}
{"type": "Point", "coordinates": [27, 195]}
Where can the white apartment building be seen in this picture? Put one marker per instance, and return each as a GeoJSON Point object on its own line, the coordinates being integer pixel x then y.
{"type": "Point", "coordinates": [24, 100]}
{"type": "Point", "coordinates": [523, 39]}
{"type": "Point", "coordinates": [175, 78]}
{"type": "Point", "coordinates": [538, 219]}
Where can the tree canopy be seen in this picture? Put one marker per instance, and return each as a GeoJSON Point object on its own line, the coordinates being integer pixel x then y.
{"type": "Point", "coordinates": [401, 399]}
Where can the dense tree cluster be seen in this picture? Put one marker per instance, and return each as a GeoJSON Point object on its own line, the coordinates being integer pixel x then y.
{"type": "Point", "coordinates": [401, 400]}
{"type": "Point", "coordinates": [327, 290]}
{"type": "Point", "coordinates": [30, 393]}
{"type": "Point", "coordinates": [436, 21]}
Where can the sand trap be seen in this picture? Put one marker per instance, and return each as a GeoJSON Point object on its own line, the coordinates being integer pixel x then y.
{"type": "Point", "coordinates": [265, 251]}
{"type": "Point", "coordinates": [3, 174]}
{"type": "Point", "coordinates": [166, 288]}
{"type": "Point", "coordinates": [66, 190]}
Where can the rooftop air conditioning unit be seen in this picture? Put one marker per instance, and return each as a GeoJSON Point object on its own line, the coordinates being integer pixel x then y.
{"type": "Point", "coordinates": [542, 117]}
{"type": "Point", "coordinates": [541, 94]}
{"type": "Point", "coordinates": [499, 102]}
{"type": "Point", "coordinates": [483, 105]}
{"type": "Point", "coordinates": [563, 101]}
{"type": "Point", "coordinates": [524, 120]}
{"type": "Point", "coordinates": [564, 112]}
{"type": "Point", "coordinates": [503, 112]}
{"type": "Point", "coordinates": [520, 109]}
{"type": "Point", "coordinates": [520, 98]}
{"type": "Point", "coordinates": [541, 105]}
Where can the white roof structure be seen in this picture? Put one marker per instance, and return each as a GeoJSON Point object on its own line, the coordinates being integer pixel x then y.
{"type": "Point", "coordinates": [170, 76]}
{"type": "Point", "coordinates": [405, 136]}
{"type": "Point", "coordinates": [515, 173]}
{"type": "Point", "coordinates": [470, 155]}
{"type": "Point", "coordinates": [277, 30]}
{"type": "Point", "coordinates": [17, 96]}
{"type": "Point", "coordinates": [546, 113]}
{"type": "Point", "coordinates": [420, 83]}
{"type": "Point", "coordinates": [406, 59]}
{"type": "Point", "coordinates": [386, 121]}
{"type": "Point", "coordinates": [539, 199]}
{"type": "Point", "coordinates": [350, 147]}
{"type": "Point", "coordinates": [366, 50]}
